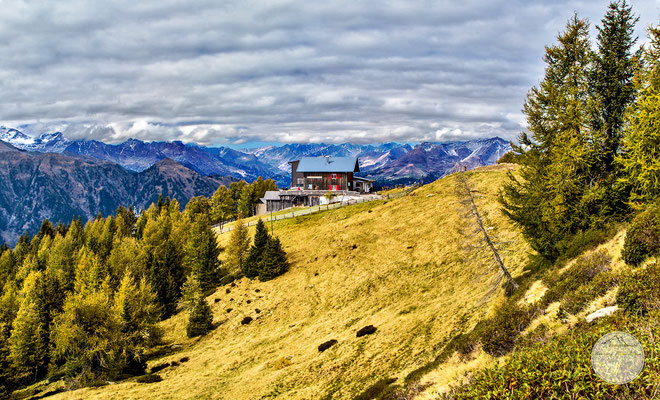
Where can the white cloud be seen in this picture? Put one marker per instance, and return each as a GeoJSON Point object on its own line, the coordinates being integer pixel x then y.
{"type": "Point", "coordinates": [290, 71]}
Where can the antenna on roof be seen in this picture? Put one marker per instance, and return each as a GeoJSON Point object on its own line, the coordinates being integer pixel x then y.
{"type": "Point", "coordinates": [327, 159]}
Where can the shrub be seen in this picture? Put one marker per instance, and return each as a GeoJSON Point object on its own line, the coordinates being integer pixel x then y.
{"type": "Point", "coordinates": [149, 378]}
{"type": "Point", "coordinates": [200, 320]}
{"type": "Point", "coordinates": [367, 330]}
{"type": "Point", "coordinates": [499, 334]}
{"type": "Point", "coordinates": [643, 236]}
{"type": "Point", "coordinates": [561, 368]}
{"type": "Point", "coordinates": [583, 271]}
{"type": "Point", "coordinates": [184, 359]}
{"type": "Point", "coordinates": [640, 291]}
{"type": "Point", "coordinates": [246, 320]}
{"type": "Point", "coordinates": [326, 345]}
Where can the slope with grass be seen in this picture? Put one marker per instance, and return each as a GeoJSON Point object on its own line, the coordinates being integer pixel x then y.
{"type": "Point", "coordinates": [405, 266]}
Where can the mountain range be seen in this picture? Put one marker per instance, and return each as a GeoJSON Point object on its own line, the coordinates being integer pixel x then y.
{"type": "Point", "coordinates": [52, 177]}
{"type": "Point", "coordinates": [60, 187]}
{"type": "Point", "coordinates": [388, 163]}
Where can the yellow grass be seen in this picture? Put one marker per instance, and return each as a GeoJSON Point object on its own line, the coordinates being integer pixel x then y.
{"type": "Point", "coordinates": [409, 275]}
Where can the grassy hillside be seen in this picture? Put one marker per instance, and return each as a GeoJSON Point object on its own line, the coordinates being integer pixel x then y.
{"type": "Point", "coordinates": [405, 266]}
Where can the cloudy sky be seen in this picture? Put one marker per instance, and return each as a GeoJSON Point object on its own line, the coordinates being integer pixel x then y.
{"type": "Point", "coordinates": [249, 72]}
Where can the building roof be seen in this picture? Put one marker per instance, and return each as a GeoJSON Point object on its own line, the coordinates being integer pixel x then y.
{"type": "Point", "coordinates": [328, 164]}
{"type": "Point", "coordinates": [270, 195]}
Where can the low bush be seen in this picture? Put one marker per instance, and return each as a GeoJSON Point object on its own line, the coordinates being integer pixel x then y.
{"type": "Point", "coordinates": [561, 368]}
{"type": "Point", "coordinates": [639, 292]}
{"type": "Point", "coordinates": [584, 240]}
{"type": "Point", "coordinates": [583, 271]}
{"type": "Point", "coordinates": [246, 320]}
{"type": "Point", "coordinates": [367, 330]}
{"type": "Point", "coordinates": [498, 335]}
{"type": "Point", "coordinates": [326, 345]}
{"type": "Point", "coordinates": [643, 236]}
{"type": "Point", "coordinates": [149, 378]}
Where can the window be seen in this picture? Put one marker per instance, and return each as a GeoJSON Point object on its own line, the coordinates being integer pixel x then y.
{"type": "Point", "coordinates": [334, 176]}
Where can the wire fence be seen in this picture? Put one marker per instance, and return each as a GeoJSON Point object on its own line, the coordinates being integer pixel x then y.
{"type": "Point", "coordinates": [226, 227]}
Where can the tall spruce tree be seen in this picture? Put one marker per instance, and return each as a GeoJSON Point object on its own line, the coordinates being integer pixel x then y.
{"type": "Point", "coordinates": [254, 257]}
{"type": "Point", "coordinates": [200, 319]}
{"type": "Point", "coordinates": [547, 200]}
{"type": "Point", "coordinates": [273, 261]}
{"type": "Point", "coordinates": [612, 77]}
{"type": "Point", "coordinates": [201, 253]}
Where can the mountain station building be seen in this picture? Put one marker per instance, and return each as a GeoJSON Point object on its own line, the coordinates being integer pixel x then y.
{"type": "Point", "coordinates": [313, 177]}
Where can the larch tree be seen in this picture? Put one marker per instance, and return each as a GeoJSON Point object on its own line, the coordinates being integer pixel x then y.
{"type": "Point", "coordinates": [237, 249]}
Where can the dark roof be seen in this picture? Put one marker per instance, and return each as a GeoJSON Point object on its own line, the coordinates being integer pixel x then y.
{"type": "Point", "coordinates": [328, 164]}
{"type": "Point", "coordinates": [270, 195]}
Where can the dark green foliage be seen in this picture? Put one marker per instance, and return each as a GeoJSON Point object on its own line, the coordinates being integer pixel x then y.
{"type": "Point", "coordinates": [499, 334]}
{"type": "Point", "coordinates": [561, 368]}
{"type": "Point", "coordinates": [200, 321]}
{"type": "Point", "coordinates": [576, 244]}
{"type": "Point", "coordinates": [149, 378]}
{"type": "Point", "coordinates": [201, 252]}
{"type": "Point", "coordinates": [273, 260]}
{"type": "Point", "coordinates": [508, 157]}
{"type": "Point", "coordinates": [639, 292]}
{"type": "Point", "coordinates": [612, 77]}
{"type": "Point", "coordinates": [643, 236]}
{"type": "Point", "coordinates": [582, 272]}
{"type": "Point", "coordinates": [251, 264]}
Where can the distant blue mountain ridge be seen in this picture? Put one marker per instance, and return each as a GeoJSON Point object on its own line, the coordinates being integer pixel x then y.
{"type": "Point", "coordinates": [388, 163]}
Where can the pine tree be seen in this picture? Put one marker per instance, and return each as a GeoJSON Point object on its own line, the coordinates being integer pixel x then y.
{"type": "Point", "coordinates": [200, 320]}
{"type": "Point", "coordinates": [164, 262]}
{"type": "Point", "coordinates": [245, 202]}
{"type": "Point", "coordinates": [251, 264]}
{"type": "Point", "coordinates": [200, 254]}
{"type": "Point", "coordinates": [273, 260]}
{"type": "Point", "coordinates": [612, 80]}
{"type": "Point", "coordinates": [641, 142]}
{"type": "Point", "coordinates": [189, 292]}
{"type": "Point", "coordinates": [237, 249]}
{"type": "Point", "coordinates": [547, 202]}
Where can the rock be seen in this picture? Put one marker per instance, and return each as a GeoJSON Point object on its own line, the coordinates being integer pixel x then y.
{"type": "Point", "coordinates": [603, 312]}
{"type": "Point", "coordinates": [326, 345]}
{"type": "Point", "coordinates": [246, 320]}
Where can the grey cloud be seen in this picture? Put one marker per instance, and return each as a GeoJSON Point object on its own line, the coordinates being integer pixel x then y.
{"type": "Point", "coordinates": [292, 71]}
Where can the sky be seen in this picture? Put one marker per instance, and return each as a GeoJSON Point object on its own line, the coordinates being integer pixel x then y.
{"type": "Point", "coordinates": [247, 72]}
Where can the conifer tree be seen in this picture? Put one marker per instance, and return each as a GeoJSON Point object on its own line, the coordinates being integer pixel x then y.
{"type": "Point", "coordinates": [28, 343]}
{"type": "Point", "coordinates": [222, 205]}
{"type": "Point", "coordinates": [237, 249]}
{"type": "Point", "coordinates": [547, 202]}
{"type": "Point", "coordinates": [200, 320]}
{"type": "Point", "coordinates": [201, 253]}
{"type": "Point", "coordinates": [251, 264]}
{"type": "Point", "coordinates": [164, 262]}
{"type": "Point", "coordinates": [87, 336]}
{"type": "Point", "coordinates": [641, 142]}
{"type": "Point", "coordinates": [273, 260]}
{"type": "Point", "coordinates": [190, 291]}
{"type": "Point", "coordinates": [245, 202]}
{"type": "Point", "coordinates": [9, 304]}
{"type": "Point", "coordinates": [138, 312]}
{"type": "Point", "coordinates": [612, 80]}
